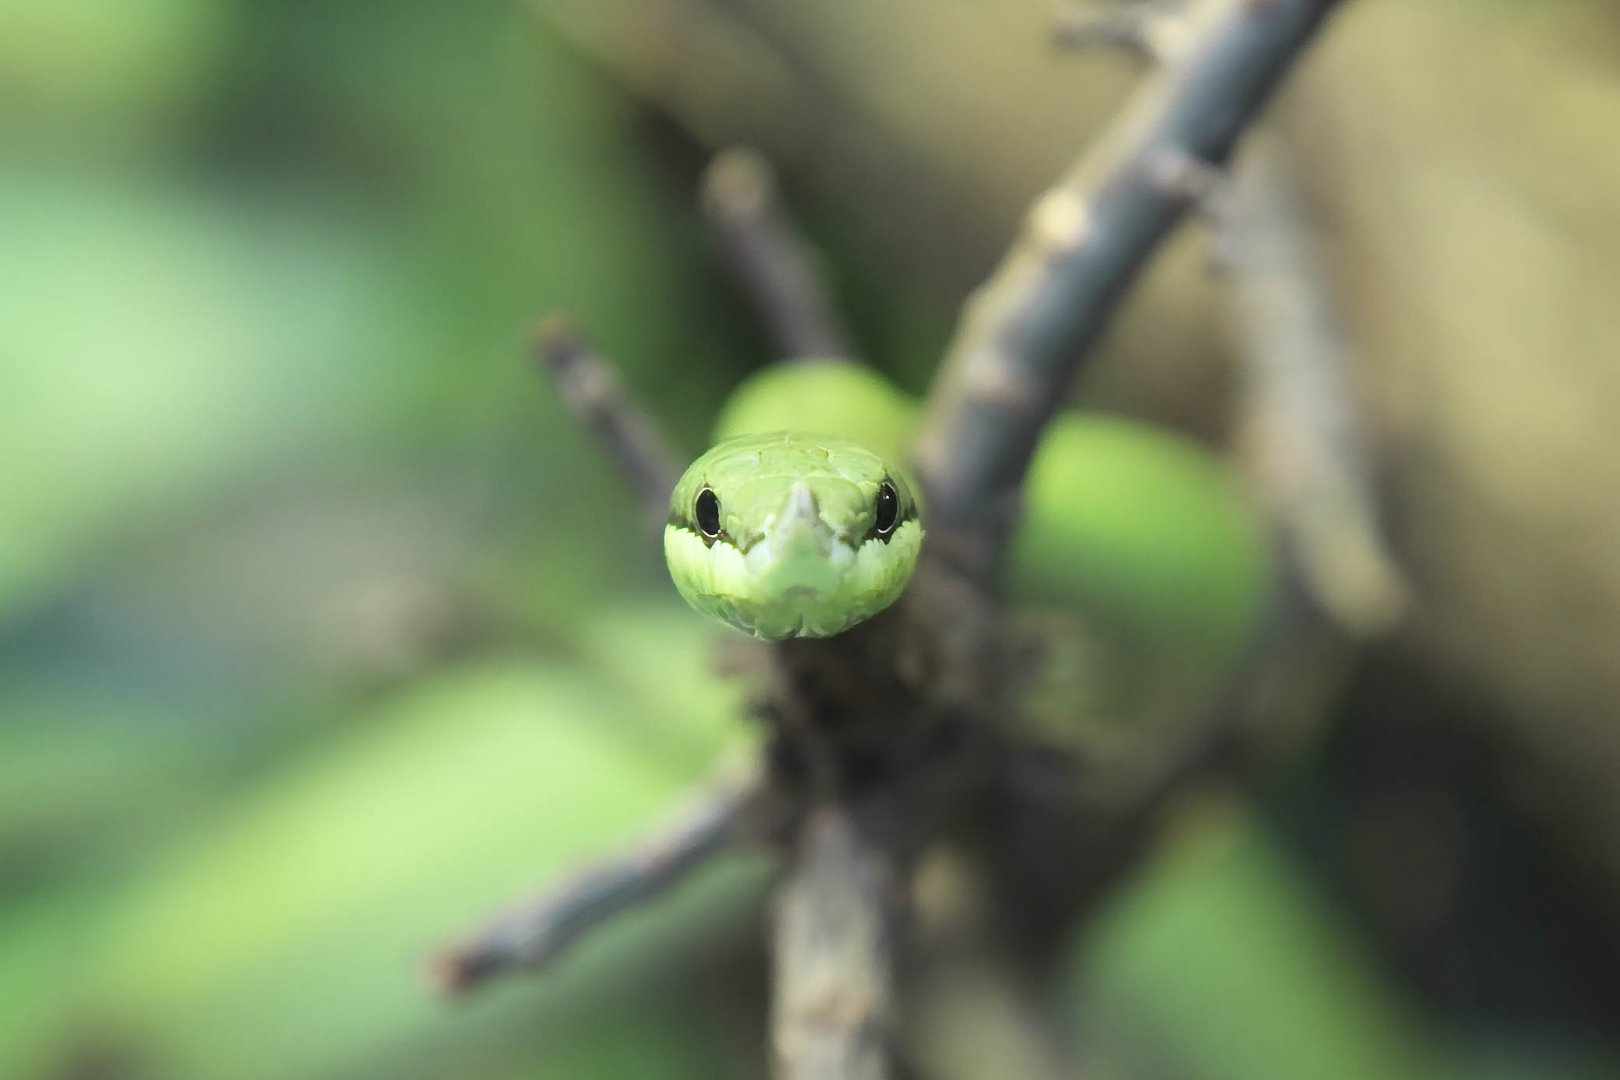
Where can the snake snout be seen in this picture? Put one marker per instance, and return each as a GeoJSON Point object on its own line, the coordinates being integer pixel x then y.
{"type": "Point", "coordinates": [801, 506]}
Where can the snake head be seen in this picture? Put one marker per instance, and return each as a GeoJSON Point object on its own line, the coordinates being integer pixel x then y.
{"type": "Point", "coordinates": [792, 535]}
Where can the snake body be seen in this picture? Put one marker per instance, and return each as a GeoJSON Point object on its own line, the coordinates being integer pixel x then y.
{"type": "Point", "coordinates": [801, 520]}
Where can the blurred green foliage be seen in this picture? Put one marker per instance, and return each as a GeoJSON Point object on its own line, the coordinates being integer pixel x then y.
{"type": "Point", "coordinates": [275, 463]}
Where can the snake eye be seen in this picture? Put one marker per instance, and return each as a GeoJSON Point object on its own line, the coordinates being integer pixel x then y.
{"type": "Point", "coordinates": [707, 513]}
{"type": "Point", "coordinates": [888, 509]}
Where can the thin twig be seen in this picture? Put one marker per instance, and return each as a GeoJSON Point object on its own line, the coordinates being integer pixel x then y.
{"type": "Point", "coordinates": [832, 1014]}
{"type": "Point", "coordinates": [590, 387]}
{"type": "Point", "coordinates": [772, 261]}
{"type": "Point", "coordinates": [1151, 31]}
{"type": "Point", "coordinates": [1299, 427]}
{"type": "Point", "coordinates": [538, 930]}
{"type": "Point", "coordinates": [1027, 330]}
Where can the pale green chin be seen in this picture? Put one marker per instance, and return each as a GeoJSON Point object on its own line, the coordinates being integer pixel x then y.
{"type": "Point", "coordinates": [793, 589]}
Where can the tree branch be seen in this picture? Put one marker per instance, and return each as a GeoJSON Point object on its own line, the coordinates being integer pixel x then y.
{"type": "Point", "coordinates": [1298, 427]}
{"type": "Point", "coordinates": [590, 387]}
{"type": "Point", "coordinates": [539, 930]}
{"type": "Point", "coordinates": [1028, 329]}
{"type": "Point", "coordinates": [1021, 339]}
{"type": "Point", "coordinates": [771, 260]}
{"type": "Point", "coordinates": [832, 1012]}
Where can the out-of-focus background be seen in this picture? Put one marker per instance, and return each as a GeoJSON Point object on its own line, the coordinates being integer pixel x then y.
{"type": "Point", "coordinates": [323, 630]}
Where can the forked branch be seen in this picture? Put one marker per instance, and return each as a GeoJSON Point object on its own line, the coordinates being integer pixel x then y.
{"type": "Point", "coordinates": [1029, 328]}
{"type": "Point", "coordinates": [1020, 341]}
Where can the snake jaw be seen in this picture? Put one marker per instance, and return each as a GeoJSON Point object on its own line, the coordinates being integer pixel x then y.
{"type": "Point", "coordinates": [821, 590]}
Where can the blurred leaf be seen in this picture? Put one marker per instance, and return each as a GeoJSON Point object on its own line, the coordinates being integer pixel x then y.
{"type": "Point", "coordinates": [68, 782]}
{"type": "Point", "coordinates": [158, 343]}
{"type": "Point", "coordinates": [75, 68]}
{"type": "Point", "coordinates": [1221, 963]}
{"type": "Point", "coordinates": [1143, 530]}
{"type": "Point", "coordinates": [44, 939]}
{"type": "Point", "coordinates": [292, 927]}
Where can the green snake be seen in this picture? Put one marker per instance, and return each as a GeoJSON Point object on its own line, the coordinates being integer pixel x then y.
{"type": "Point", "coordinates": [801, 522]}
{"type": "Point", "coordinates": [792, 534]}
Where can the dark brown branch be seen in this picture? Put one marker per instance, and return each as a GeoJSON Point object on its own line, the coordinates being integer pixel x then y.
{"type": "Point", "coordinates": [1299, 427]}
{"type": "Point", "coordinates": [590, 387]}
{"type": "Point", "coordinates": [537, 931]}
{"type": "Point", "coordinates": [832, 1014]}
{"type": "Point", "coordinates": [773, 263]}
{"type": "Point", "coordinates": [1028, 329]}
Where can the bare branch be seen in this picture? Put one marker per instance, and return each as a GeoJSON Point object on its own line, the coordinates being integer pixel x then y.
{"type": "Point", "coordinates": [832, 1014]}
{"type": "Point", "coordinates": [1021, 339]}
{"type": "Point", "coordinates": [538, 930]}
{"type": "Point", "coordinates": [589, 386]}
{"type": "Point", "coordinates": [1151, 31]}
{"type": "Point", "coordinates": [771, 260]}
{"type": "Point", "coordinates": [1299, 428]}
{"type": "Point", "coordinates": [1028, 329]}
